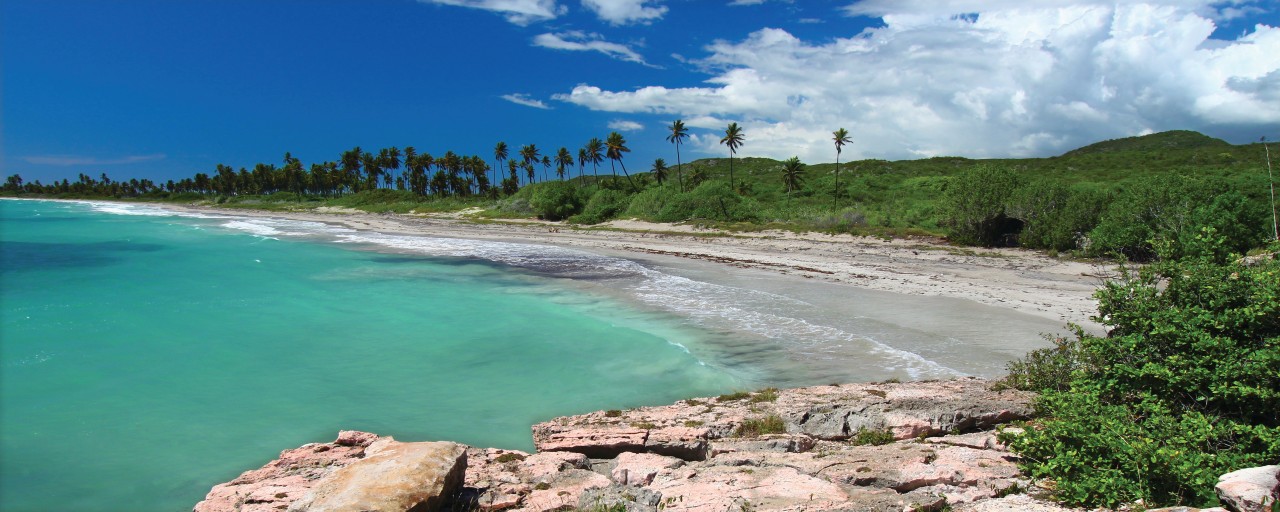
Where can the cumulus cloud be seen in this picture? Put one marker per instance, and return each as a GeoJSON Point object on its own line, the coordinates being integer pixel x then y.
{"type": "Point", "coordinates": [578, 41]}
{"type": "Point", "coordinates": [520, 12]}
{"type": "Point", "coordinates": [526, 100]}
{"type": "Point", "coordinates": [623, 12]}
{"type": "Point", "coordinates": [69, 160]}
{"type": "Point", "coordinates": [624, 125]}
{"type": "Point", "coordinates": [977, 78]}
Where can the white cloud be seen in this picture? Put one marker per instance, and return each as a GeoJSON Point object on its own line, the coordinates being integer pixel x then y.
{"type": "Point", "coordinates": [624, 125]}
{"type": "Point", "coordinates": [578, 41]}
{"type": "Point", "coordinates": [623, 12]}
{"type": "Point", "coordinates": [520, 12]}
{"type": "Point", "coordinates": [69, 160]}
{"type": "Point", "coordinates": [526, 100]}
{"type": "Point", "coordinates": [1009, 78]}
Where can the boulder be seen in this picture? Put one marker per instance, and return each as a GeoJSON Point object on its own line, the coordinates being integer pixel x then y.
{"type": "Point", "coordinates": [1250, 490]}
{"type": "Point", "coordinates": [278, 483]}
{"type": "Point", "coordinates": [393, 476]}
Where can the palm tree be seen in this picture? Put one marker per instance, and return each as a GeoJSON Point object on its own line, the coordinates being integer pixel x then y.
{"type": "Point", "coordinates": [595, 155]}
{"type": "Point", "coordinates": [659, 170]}
{"type": "Point", "coordinates": [733, 138]}
{"type": "Point", "coordinates": [616, 147]}
{"type": "Point", "coordinates": [841, 137]}
{"type": "Point", "coordinates": [563, 159]}
{"type": "Point", "coordinates": [529, 154]}
{"type": "Point", "coordinates": [499, 154]}
{"type": "Point", "coordinates": [678, 134]}
{"type": "Point", "coordinates": [792, 174]}
{"type": "Point", "coordinates": [582, 161]}
{"type": "Point", "coordinates": [546, 166]}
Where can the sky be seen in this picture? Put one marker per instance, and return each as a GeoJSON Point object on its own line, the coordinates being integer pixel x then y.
{"type": "Point", "coordinates": [164, 89]}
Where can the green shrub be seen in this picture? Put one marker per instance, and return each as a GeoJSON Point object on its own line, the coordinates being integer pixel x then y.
{"type": "Point", "coordinates": [649, 203]}
{"type": "Point", "coordinates": [739, 395]}
{"type": "Point", "coordinates": [1182, 389]}
{"type": "Point", "coordinates": [770, 424]}
{"type": "Point", "coordinates": [710, 201]}
{"type": "Point", "coordinates": [604, 205]}
{"type": "Point", "coordinates": [874, 437]}
{"type": "Point", "coordinates": [555, 200]}
{"type": "Point", "coordinates": [974, 205]}
{"type": "Point", "coordinates": [1054, 216]}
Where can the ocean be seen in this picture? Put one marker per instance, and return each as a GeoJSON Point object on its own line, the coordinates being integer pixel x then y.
{"type": "Point", "coordinates": [146, 355]}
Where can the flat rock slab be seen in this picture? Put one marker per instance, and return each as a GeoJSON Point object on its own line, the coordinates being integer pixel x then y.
{"type": "Point", "coordinates": [393, 477]}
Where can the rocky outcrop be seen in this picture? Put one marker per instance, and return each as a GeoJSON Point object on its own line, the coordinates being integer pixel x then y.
{"type": "Point", "coordinates": [910, 446]}
{"type": "Point", "coordinates": [274, 486]}
{"type": "Point", "coordinates": [1250, 490]}
{"type": "Point", "coordinates": [393, 476]}
{"type": "Point", "coordinates": [832, 413]}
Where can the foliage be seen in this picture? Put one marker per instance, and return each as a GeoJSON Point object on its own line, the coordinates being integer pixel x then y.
{"type": "Point", "coordinates": [1054, 216]}
{"type": "Point", "coordinates": [974, 205]}
{"type": "Point", "coordinates": [769, 424]}
{"type": "Point", "coordinates": [737, 395]}
{"type": "Point", "coordinates": [1182, 389]}
{"type": "Point", "coordinates": [605, 204]}
{"type": "Point", "coordinates": [555, 200]}
{"type": "Point", "coordinates": [1173, 209]}
{"type": "Point", "coordinates": [648, 203]}
{"type": "Point", "coordinates": [710, 201]}
{"type": "Point", "coordinates": [867, 436]}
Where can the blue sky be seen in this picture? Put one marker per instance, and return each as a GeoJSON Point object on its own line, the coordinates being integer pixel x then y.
{"type": "Point", "coordinates": [164, 89]}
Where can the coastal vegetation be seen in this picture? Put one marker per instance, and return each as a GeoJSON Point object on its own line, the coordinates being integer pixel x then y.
{"type": "Point", "coordinates": [1183, 387]}
{"type": "Point", "coordinates": [1111, 199]}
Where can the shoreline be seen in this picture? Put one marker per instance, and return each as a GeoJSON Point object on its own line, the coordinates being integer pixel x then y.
{"type": "Point", "coordinates": [1019, 280]}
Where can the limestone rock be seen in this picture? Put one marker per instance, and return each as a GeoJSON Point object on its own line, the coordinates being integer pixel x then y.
{"type": "Point", "coordinates": [394, 476]}
{"type": "Point", "coordinates": [1250, 490]}
{"type": "Point", "coordinates": [278, 483]}
{"type": "Point", "coordinates": [640, 468]}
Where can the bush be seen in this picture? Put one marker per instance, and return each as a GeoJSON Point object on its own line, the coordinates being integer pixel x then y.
{"type": "Point", "coordinates": [1053, 216]}
{"type": "Point", "coordinates": [1171, 211]}
{"type": "Point", "coordinates": [974, 205]}
{"type": "Point", "coordinates": [555, 200]}
{"type": "Point", "coordinates": [649, 203]}
{"type": "Point", "coordinates": [604, 205]}
{"type": "Point", "coordinates": [710, 201]}
{"type": "Point", "coordinates": [1182, 389]}
{"type": "Point", "coordinates": [752, 427]}
{"type": "Point", "coordinates": [865, 436]}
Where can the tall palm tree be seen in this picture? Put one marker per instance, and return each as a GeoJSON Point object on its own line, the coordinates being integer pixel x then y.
{"type": "Point", "coordinates": [733, 138]}
{"type": "Point", "coordinates": [582, 161]}
{"type": "Point", "coordinates": [595, 155]}
{"type": "Point", "coordinates": [841, 137]}
{"type": "Point", "coordinates": [659, 170]}
{"type": "Point", "coordinates": [792, 174]}
{"type": "Point", "coordinates": [678, 133]}
{"type": "Point", "coordinates": [616, 146]}
{"type": "Point", "coordinates": [529, 154]}
{"type": "Point", "coordinates": [546, 166]}
{"type": "Point", "coordinates": [563, 159]}
{"type": "Point", "coordinates": [499, 154]}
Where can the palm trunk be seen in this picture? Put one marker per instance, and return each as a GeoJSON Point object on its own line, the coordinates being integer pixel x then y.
{"type": "Point", "coordinates": [835, 194]}
{"type": "Point", "coordinates": [679, 169]}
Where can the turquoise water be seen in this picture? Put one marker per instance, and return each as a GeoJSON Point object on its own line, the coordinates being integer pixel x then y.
{"type": "Point", "coordinates": [147, 357]}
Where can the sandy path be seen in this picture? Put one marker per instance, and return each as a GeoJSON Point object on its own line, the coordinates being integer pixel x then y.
{"type": "Point", "coordinates": [1016, 279]}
